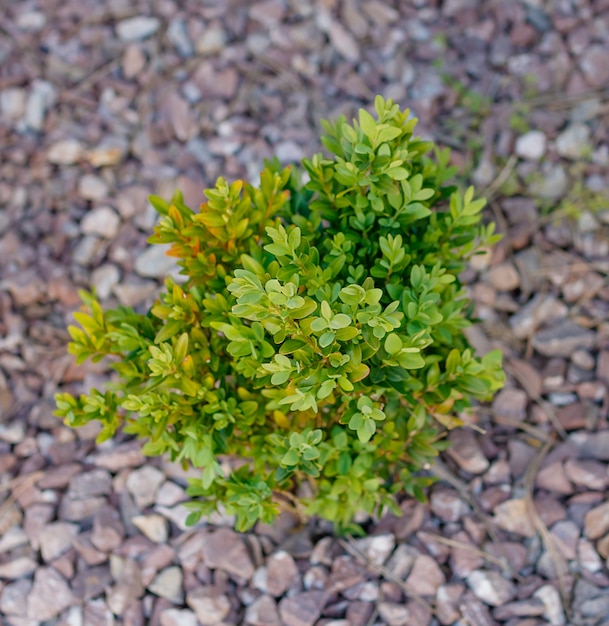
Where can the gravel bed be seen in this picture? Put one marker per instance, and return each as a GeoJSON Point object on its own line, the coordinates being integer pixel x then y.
{"type": "Point", "coordinates": [105, 102]}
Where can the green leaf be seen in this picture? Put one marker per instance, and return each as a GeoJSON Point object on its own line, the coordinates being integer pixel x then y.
{"type": "Point", "coordinates": [393, 343]}
{"type": "Point", "coordinates": [367, 123]}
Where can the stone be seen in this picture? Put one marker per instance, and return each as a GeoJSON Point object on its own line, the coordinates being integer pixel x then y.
{"type": "Point", "coordinates": [209, 605]}
{"type": "Point", "coordinates": [87, 551]}
{"type": "Point", "coordinates": [377, 548]}
{"type": "Point", "coordinates": [574, 142]}
{"type": "Point", "coordinates": [56, 538]}
{"type": "Point", "coordinates": [447, 504]}
{"type": "Point", "coordinates": [225, 550]}
{"type": "Point", "coordinates": [303, 609]}
{"type": "Point", "coordinates": [596, 521]}
{"type": "Point", "coordinates": [542, 308]}
{"type": "Point", "coordinates": [91, 187]}
{"type": "Point", "coordinates": [18, 568]}
{"type": "Point", "coordinates": [108, 530]}
{"type": "Point", "coordinates": [281, 573]}
{"type": "Point", "coordinates": [504, 277]}
{"type": "Point", "coordinates": [12, 103]}
{"type": "Point", "coordinates": [41, 97]}
{"type": "Point", "coordinates": [103, 221]}
{"type": "Point", "coordinates": [155, 263]}
{"type": "Point", "coordinates": [143, 484]}
{"type": "Point", "coordinates": [168, 584]}
{"type": "Point", "coordinates": [425, 576]}
{"type": "Point", "coordinates": [565, 535]}
{"type": "Point", "coordinates": [134, 61]}
{"type": "Point", "coordinates": [554, 478]}
{"type": "Point", "coordinates": [552, 183]}
{"type": "Point", "coordinates": [211, 41]}
{"type": "Point", "coordinates": [512, 515]}
{"type": "Point", "coordinates": [447, 601]}
{"type": "Point", "coordinates": [531, 145]}
{"type": "Point", "coordinates": [110, 152]}
{"type": "Point", "coordinates": [512, 403]}
{"type": "Point", "coordinates": [262, 612]}
{"type": "Point", "coordinates": [154, 527]}
{"type": "Point", "coordinates": [13, 600]}
{"type": "Point", "coordinates": [120, 456]}
{"type": "Point", "coordinates": [137, 28]}
{"type": "Point", "coordinates": [587, 473]}
{"type": "Point", "coordinates": [550, 597]}
{"type": "Point", "coordinates": [394, 614]}
{"type": "Point", "coordinates": [343, 42]}
{"type": "Point", "coordinates": [592, 445]}
{"type": "Point", "coordinates": [177, 33]}
{"type": "Point", "coordinates": [178, 617]}
{"type": "Point", "coordinates": [466, 452]}
{"type": "Point", "coordinates": [491, 587]}
{"type": "Point", "coordinates": [97, 613]}
{"type": "Point", "coordinates": [128, 587]}
{"type": "Point", "coordinates": [94, 483]}
{"type": "Point", "coordinates": [104, 278]}
{"type": "Point", "coordinates": [65, 152]}
{"type": "Point", "coordinates": [49, 596]}
{"type": "Point", "coordinates": [465, 560]}
{"type": "Point", "coordinates": [520, 608]}
{"type": "Point", "coordinates": [593, 64]}
{"type": "Point", "coordinates": [563, 339]}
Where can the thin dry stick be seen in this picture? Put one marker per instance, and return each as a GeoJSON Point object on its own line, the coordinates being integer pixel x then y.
{"type": "Point", "coordinates": [467, 547]}
{"type": "Point", "coordinates": [350, 547]}
{"type": "Point", "coordinates": [538, 523]}
{"type": "Point", "coordinates": [503, 175]}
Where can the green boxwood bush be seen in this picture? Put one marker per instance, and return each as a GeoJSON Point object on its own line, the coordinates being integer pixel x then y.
{"type": "Point", "coordinates": [317, 341]}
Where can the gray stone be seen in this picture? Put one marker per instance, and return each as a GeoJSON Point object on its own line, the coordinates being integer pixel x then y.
{"type": "Point", "coordinates": [154, 527]}
{"type": "Point", "coordinates": [65, 152]}
{"type": "Point", "coordinates": [491, 587]}
{"type": "Point", "coordinates": [177, 33]}
{"type": "Point", "coordinates": [593, 63]}
{"type": "Point", "coordinates": [563, 339]}
{"type": "Point", "coordinates": [512, 516]}
{"type": "Point", "coordinates": [143, 484]}
{"type": "Point", "coordinates": [262, 612]}
{"type": "Point", "coordinates": [281, 573]}
{"type": "Point", "coordinates": [209, 605]}
{"type": "Point", "coordinates": [92, 187]}
{"type": "Point", "coordinates": [596, 522]}
{"type": "Point", "coordinates": [42, 96]}
{"type": "Point", "coordinates": [17, 568]}
{"type": "Point", "coordinates": [12, 103]}
{"type": "Point", "coordinates": [531, 145]}
{"type": "Point", "coordinates": [425, 576]}
{"type": "Point", "coordinates": [13, 600]}
{"type": "Point", "coordinates": [56, 538]}
{"type": "Point", "coordinates": [343, 42]}
{"type": "Point", "coordinates": [224, 549]}
{"type": "Point", "coordinates": [554, 612]}
{"type": "Point", "coordinates": [394, 614]}
{"type": "Point", "coordinates": [128, 588]}
{"type": "Point", "coordinates": [94, 483]}
{"type": "Point", "coordinates": [466, 452]}
{"type": "Point", "coordinates": [574, 142]}
{"type": "Point", "coordinates": [377, 548]}
{"type": "Point", "coordinates": [552, 184]}
{"type": "Point", "coordinates": [49, 596]}
{"type": "Point", "coordinates": [303, 609]}
{"type": "Point", "coordinates": [177, 617]}
{"type": "Point", "coordinates": [168, 584]}
{"type": "Point", "coordinates": [137, 28]}
{"type": "Point", "coordinates": [155, 263]}
{"type": "Point", "coordinates": [104, 278]}
{"type": "Point", "coordinates": [103, 221]}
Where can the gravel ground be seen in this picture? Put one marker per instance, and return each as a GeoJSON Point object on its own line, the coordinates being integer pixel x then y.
{"type": "Point", "coordinates": [102, 103]}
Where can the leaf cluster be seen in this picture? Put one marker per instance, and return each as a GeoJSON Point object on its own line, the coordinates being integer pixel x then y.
{"type": "Point", "coordinates": [317, 336]}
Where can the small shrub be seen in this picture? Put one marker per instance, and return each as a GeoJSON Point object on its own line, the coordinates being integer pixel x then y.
{"type": "Point", "coordinates": [318, 338]}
